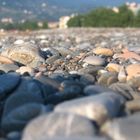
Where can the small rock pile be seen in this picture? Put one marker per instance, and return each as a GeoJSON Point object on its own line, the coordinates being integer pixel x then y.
{"type": "Point", "coordinates": [70, 85]}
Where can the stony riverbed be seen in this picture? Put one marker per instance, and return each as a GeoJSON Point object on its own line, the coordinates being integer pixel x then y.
{"type": "Point", "coordinates": [72, 84]}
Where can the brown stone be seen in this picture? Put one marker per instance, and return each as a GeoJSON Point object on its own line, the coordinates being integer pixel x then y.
{"type": "Point", "coordinates": [112, 67]}
{"type": "Point", "coordinates": [103, 51]}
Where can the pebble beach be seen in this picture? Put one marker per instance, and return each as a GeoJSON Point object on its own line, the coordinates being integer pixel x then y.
{"type": "Point", "coordinates": [70, 84]}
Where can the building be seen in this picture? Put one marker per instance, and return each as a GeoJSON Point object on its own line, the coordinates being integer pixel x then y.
{"type": "Point", "coordinates": [63, 22]}
{"type": "Point", "coordinates": [53, 25]}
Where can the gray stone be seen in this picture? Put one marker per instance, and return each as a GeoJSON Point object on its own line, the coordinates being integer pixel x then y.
{"type": "Point", "coordinates": [8, 83]}
{"type": "Point", "coordinates": [8, 67]}
{"type": "Point", "coordinates": [95, 89]}
{"type": "Point", "coordinates": [99, 108]}
{"type": "Point", "coordinates": [59, 125]}
{"type": "Point", "coordinates": [87, 79]}
{"type": "Point", "coordinates": [123, 89]}
{"type": "Point", "coordinates": [14, 135]}
{"type": "Point", "coordinates": [94, 60]}
{"type": "Point", "coordinates": [124, 128]}
{"type": "Point", "coordinates": [26, 53]}
{"type": "Point", "coordinates": [16, 119]}
{"type": "Point", "coordinates": [16, 100]}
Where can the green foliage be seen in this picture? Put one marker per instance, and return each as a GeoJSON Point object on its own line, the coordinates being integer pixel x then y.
{"type": "Point", "coordinates": [105, 17]}
{"type": "Point", "coordinates": [28, 25]}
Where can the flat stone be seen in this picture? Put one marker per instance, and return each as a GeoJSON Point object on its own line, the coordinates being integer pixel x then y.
{"type": "Point", "coordinates": [112, 67]}
{"type": "Point", "coordinates": [26, 53]}
{"type": "Point", "coordinates": [94, 60]}
{"type": "Point", "coordinates": [133, 71]}
{"type": "Point", "coordinates": [7, 84]}
{"type": "Point", "coordinates": [99, 107]}
{"type": "Point", "coordinates": [59, 125]}
{"type": "Point", "coordinates": [103, 51]}
{"type": "Point", "coordinates": [19, 117]}
{"type": "Point", "coordinates": [8, 67]}
{"type": "Point", "coordinates": [124, 128]}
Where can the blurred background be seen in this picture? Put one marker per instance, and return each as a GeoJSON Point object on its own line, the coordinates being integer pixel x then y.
{"type": "Point", "coordinates": [44, 14]}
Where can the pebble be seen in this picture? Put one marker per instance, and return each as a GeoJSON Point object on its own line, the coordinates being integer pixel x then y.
{"type": "Point", "coordinates": [124, 128]}
{"type": "Point", "coordinates": [103, 51]}
{"type": "Point", "coordinates": [72, 84]}
{"type": "Point", "coordinates": [99, 107]}
{"type": "Point", "coordinates": [59, 125]}
{"type": "Point", "coordinates": [8, 83]}
{"type": "Point", "coordinates": [94, 60]}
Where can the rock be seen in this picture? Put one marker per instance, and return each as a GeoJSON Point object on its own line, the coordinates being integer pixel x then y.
{"type": "Point", "coordinates": [8, 83]}
{"type": "Point", "coordinates": [87, 79]}
{"type": "Point", "coordinates": [122, 75]}
{"type": "Point", "coordinates": [59, 125]}
{"type": "Point", "coordinates": [124, 128]}
{"type": "Point", "coordinates": [19, 42]}
{"type": "Point", "coordinates": [26, 53]}
{"type": "Point", "coordinates": [123, 89]}
{"type": "Point", "coordinates": [14, 135]}
{"type": "Point", "coordinates": [5, 60]}
{"type": "Point", "coordinates": [19, 117]}
{"type": "Point", "coordinates": [107, 78]}
{"type": "Point", "coordinates": [99, 107]}
{"type": "Point", "coordinates": [26, 69]}
{"type": "Point", "coordinates": [19, 99]}
{"type": "Point", "coordinates": [133, 105]}
{"type": "Point", "coordinates": [94, 60]}
{"type": "Point", "coordinates": [134, 82]}
{"type": "Point", "coordinates": [8, 67]}
{"type": "Point", "coordinates": [112, 67]}
{"type": "Point", "coordinates": [95, 89]}
{"type": "Point", "coordinates": [133, 71]}
{"type": "Point", "coordinates": [103, 51]}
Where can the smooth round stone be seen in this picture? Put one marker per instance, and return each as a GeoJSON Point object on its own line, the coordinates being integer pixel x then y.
{"type": "Point", "coordinates": [95, 89]}
{"type": "Point", "coordinates": [133, 71]}
{"type": "Point", "coordinates": [8, 83]}
{"type": "Point", "coordinates": [103, 51]}
{"type": "Point", "coordinates": [112, 67]}
{"type": "Point", "coordinates": [94, 60]}
{"type": "Point", "coordinates": [19, 99]}
{"type": "Point", "coordinates": [19, 117]}
{"type": "Point", "coordinates": [105, 79]}
{"type": "Point", "coordinates": [123, 89]}
{"type": "Point", "coordinates": [59, 125]}
{"type": "Point", "coordinates": [98, 108]}
{"type": "Point", "coordinates": [133, 105]}
{"type": "Point", "coordinates": [126, 128]}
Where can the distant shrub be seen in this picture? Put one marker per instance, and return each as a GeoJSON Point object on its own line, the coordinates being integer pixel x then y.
{"type": "Point", "coordinates": [28, 25]}
{"type": "Point", "coordinates": [105, 17]}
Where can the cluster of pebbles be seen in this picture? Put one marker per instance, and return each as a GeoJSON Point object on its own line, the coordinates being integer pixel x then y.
{"type": "Point", "coordinates": [73, 84]}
